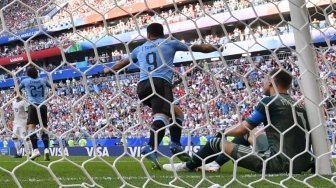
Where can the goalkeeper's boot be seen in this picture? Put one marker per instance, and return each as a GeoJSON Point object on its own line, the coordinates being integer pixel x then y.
{"type": "Point", "coordinates": [210, 167]}
{"type": "Point", "coordinates": [35, 154]}
{"type": "Point", "coordinates": [177, 149]}
{"type": "Point", "coordinates": [151, 156]}
{"type": "Point", "coordinates": [178, 167]}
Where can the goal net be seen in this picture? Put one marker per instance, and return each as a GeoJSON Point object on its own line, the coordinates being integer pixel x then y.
{"type": "Point", "coordinates": [98, 126]}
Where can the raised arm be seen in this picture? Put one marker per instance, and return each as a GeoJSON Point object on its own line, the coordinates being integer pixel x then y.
{"type": "Point", "coordinates": [239, 130]}
{"type": "Point", "coordinates": [124, 62]}
{"type": "Point", "coordinates": [255, 118]}
{"type": "Point", "coordinates": [117, 66]}
{"type": "Point", "coordinates": [121, 64]}
{"type": "Point", "coordinates": [205, 48]}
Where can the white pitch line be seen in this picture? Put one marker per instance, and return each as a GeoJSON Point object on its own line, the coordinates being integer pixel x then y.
{"type": "Point", "coordinates": [136, 177]}
{"type": "Point", "coordinates": [77, 180]}
{"type": "Point", "coordinates": [82, 179]}
{"type": "Point", "coordinates": [66, 161]}
{"type": "Point", "coordinates": [98, 178]}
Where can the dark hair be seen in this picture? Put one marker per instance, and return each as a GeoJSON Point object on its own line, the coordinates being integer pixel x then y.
{"type": "Point", "coordinates": [155, 29]}
{"type": "Point", "coordinates": [32, 72]}
{"type": "Point", "coordinates": [281, 78]}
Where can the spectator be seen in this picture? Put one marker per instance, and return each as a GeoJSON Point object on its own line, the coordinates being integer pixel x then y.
{"type": "Point", "coordinates": [316, 23]}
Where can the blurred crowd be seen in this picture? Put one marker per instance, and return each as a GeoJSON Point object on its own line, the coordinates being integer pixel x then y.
{"type": "Point", "coordinates": [80, 109]}
{"type": "Point", "coordinates": [218, 94]}
{"type": "Point", "coordinates": [191, 11]}
{"type": "Point", "coordinates": [22, 16]}
{"type": "Point", "coordinates": [78, 10]}
{"type": "Point", "coordinates": [187, 12]}
{"type": "Point", "coordinates": [236, 35]}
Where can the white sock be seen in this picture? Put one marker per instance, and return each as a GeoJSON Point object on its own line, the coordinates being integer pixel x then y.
{"type": "Point", "coordinates": [17, 146]}
{"type": "Point", "coordinates": [214, 163]}
{"type": "Point", "coordinates": [28, 147]}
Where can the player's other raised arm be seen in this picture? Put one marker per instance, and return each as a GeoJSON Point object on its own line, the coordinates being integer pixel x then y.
{"type": "Point", "coordinates": [117, 66]}
{"type": "Point", "coordinates": [123, 62]}
{"type": "Point", "coordinates": [239, 130]}
{"type": "Point", "coordinates": [205, 48]}
{"type": "Point", "coordinates": [255, 118]}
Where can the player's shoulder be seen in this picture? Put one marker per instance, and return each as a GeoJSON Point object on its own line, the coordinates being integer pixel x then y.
{"type": "Point", "coordinates": [136, 49]}
{"type": "Point", "coordinates": [25, 80]}
{"type": "Point", "coordinates": [178, 45]}
{"type": "Point", "coordinates": [172, 42]}
{"type": "Point", "coordinates": [267, 100]}
{"type": "Point", "coordinates": [42, 80]}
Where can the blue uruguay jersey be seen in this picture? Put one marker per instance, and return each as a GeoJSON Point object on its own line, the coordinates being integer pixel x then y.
{"type": "Point", "coordinates": [35, 89]}
{"type": "Point", "coordinates": [149, 58]}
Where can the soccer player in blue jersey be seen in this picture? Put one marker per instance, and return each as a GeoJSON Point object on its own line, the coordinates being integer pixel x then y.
{"type": "Point", "coordinates": [35, 90]}
{"type": "Point", "coordinates": [155, 58]}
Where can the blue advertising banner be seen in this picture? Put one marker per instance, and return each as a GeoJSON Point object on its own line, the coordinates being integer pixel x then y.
{"type": "Point", "coordinates": [5, 151]}
{"type": "Point", "coordinates": [108, 151]}
{"type": "Point", "coordinates": [24, 35]}
{"type": "Point", "coordinates": [132, 142]}
{"type": "Point", "coordinates": [103, 151]}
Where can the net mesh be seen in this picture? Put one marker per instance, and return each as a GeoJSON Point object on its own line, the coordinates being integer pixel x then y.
{"type": "Point", "coordinates": [215, 91]}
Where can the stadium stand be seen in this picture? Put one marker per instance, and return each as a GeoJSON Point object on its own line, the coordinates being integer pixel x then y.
{"type": "Point", "coordinates": [100, 121]}
{"type": "Point", "coordinates": [91, 117]}
{"type": "Point", "coordinates": [222, 113]}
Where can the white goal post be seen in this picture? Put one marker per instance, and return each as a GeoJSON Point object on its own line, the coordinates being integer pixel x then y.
{"type": "Point", "coordinates": [310, 84]}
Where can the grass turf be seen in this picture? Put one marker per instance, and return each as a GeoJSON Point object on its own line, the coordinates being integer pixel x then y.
{"type": "Point", "coordinates": [111, 172]}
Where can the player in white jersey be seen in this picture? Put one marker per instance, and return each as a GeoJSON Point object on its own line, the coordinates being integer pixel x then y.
{"type": "Point", "coordinates": [19, 124]}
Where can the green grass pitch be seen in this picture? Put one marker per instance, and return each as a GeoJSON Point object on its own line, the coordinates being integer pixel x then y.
{"type": "Point", "coordinates": [36, 175]}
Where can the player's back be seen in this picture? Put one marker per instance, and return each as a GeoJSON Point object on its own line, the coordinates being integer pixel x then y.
{"type": "Point", "coordinates": [156, 57]}
{"type": "Point", "coordinates": [35, 89]}
{"type": "Point", "coordinates": [293, 131]}
{"type": "Point", "coordinates": [19, 108]}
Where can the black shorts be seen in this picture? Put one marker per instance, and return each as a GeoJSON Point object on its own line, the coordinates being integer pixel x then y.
{"type": "Point", "coordinates": [33, 117]}
{"type": "Point", "coordinates": [163, 89]}
{"type": "Point", "coordinates": [276, 163]}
